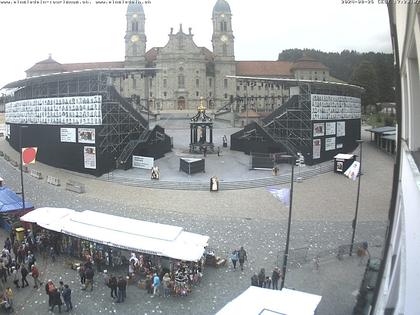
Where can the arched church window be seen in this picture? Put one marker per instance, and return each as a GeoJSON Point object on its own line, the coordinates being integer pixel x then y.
{"type": "Point", "coordinates": [181, 81]}
{"type": "Point", "coordinates": [135, 26]}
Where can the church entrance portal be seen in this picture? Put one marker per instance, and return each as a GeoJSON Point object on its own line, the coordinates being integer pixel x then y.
{"type": "Point", "coordinates": [181, 103]}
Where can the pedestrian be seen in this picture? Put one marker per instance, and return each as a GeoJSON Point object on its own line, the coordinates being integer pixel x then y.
{"type": "Point", "coordinates": [166, 283]}
{"type": "Point", "coordinates": [35, 275]}
{"type": "Point", "coordinates": [67, 297]}
{"type": "Point", "coordinates": [149, 284]}
{"type": "Point", "coordinates": [49, 288]}
{"type": "Point", "coordinates": [275, 278]}
{"type": "Point", "coordinates": [122, 285]}
{"type": "Point", "coordinates": [267, 283]}
{"type": "Point", "coordinates": [242, 257]}
{"type": "Point", "coordinates": [61, 286]}
{"type": "Point", "coordinates": [106, 278]}
{"type": "Point", "coordinates": [8, 244]}
{"type": "Point", "coordinates": [113, 285]}
{"type": "Point", "coordinates": [218, 151]}
{"type": "Point", "coordinates": [56, 300]}
{"type": "Point", "coordinates": [15, 277]}
{"type": "Point", "coordinates": [82, 274]}
{"type": "Point", "coordinates": [254, 280]}
{"type": "Point", "coordinates": [261, 278]}
{"type": "Point", "coordinates": [89, 273]}
{"type": "Point", "coordinates": [156, 284]}
{"type": "Point", "coordinates": [30, 260]}
{"type": "Point", "coordinates": [24, 273]}
{"type": "Point", "coordinates": [10, 295]}
{"type": "Point", "coordinates": [234, 257]}
{"type": "Point", "coordinates": [3, 272]}
{"type": "Point", "coordinates": [52, 253]}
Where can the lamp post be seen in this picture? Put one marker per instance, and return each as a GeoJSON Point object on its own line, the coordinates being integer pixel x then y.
{"type": "Point", "coordinates": [21, 128]}
{"type": "Point", "coordinates": [286, 251]}
{"type": "Point", "coordinates": [354, 222]}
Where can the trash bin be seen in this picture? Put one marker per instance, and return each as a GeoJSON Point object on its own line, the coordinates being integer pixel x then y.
{"type": "Point", "coordinates": [342, 162]}
{"type": "Point", "coordinates": [20, 234]}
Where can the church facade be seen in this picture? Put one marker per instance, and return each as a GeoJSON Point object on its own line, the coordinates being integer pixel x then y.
{"type": "Point", "coordinates": [185, 72]}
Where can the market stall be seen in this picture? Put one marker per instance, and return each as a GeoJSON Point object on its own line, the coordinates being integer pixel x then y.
{"type": "Point", "coordinates": [256, 300]}
{"type": "Point", "coordinates": [11, 208]}
{"type": "Point", "coordinates": [110, 241]}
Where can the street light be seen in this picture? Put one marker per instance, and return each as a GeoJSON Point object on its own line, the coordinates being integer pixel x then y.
{"type": "Point", "coordinates": [292, 160]}
{"type": "Point", "coordinates": [21, 128]}
{"type": "Point", "coordinates": [354, 222]}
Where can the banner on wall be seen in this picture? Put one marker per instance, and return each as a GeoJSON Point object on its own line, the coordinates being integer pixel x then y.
{"type": "Point", "coordinates": [318, 129]}
{"type": "Point", "coordinates": [77, 110]}
{"type": "Point", "coordinates": [68, 135]}
{"type": "Point", "coordinates": [332, 107]}
{"type": "Point", "coordinates": [316, 148]}
{"type": "Point", "coordinates": [86, 135]}
{"type": "Point", "coordinates": [144, 162]}
{"type": "Point", "coordinates": [89, 154]}
{"type": "Point", "coordinates": [329, 144]}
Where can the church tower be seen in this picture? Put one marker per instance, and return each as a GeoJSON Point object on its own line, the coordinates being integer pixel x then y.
{"type": "Point", "coordinates": [135, 37]}
{"type": "Point", "coordinates": [223, 53]}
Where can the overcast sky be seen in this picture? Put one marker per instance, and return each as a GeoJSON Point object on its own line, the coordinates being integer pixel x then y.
{"type": "Point", "coordinates": [262, 29]}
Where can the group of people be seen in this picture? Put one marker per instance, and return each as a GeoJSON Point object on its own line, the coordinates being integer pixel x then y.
{"type": "Point", "coordinates": [56, 296]}
{"type": "Point", "coordinates": [263, 281]}
{"type": "Point", "coordinates": [239, 255]}
{"type": "Point", "coordinates": [118, 286]}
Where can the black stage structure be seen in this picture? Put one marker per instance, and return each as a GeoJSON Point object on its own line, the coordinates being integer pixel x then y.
{"type": "Point", "coordinates": [80, 122]}
{"type": "Point", "coordinates": [320, 119]}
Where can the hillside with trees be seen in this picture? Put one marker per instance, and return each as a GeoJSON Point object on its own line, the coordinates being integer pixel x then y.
{"type": "Point", "coordinates": [373, 71]}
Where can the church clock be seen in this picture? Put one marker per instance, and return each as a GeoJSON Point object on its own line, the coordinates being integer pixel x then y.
{"type": "Point", "coordinates": [135, 38]}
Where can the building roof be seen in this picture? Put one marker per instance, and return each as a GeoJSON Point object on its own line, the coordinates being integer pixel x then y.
{"type": "Point", "coordinates": [249, 114]}
{"type": "Point", "coordinates": [264, 68]}
{"type": "Point", "coordinates": [221, 6]}
{"type": "Point", "coordinates": [135, 8]}
{"type": "Point", "coordinates": [92, 65]}
{"type": "Point", "coordinates": [307, 62]}
{"type": "Point", "coordinates": [382, 129]}
{"type": "Point", "coordinates": [49, 65]}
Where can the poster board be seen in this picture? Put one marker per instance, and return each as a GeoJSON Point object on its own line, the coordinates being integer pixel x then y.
{"type": "Point", "coordinates": [68, 135]}
{"type": "Point", "coordinates": [86, 135]}
{"type": "Point", "coordinates": [143, 162]}
{"type": "Point", "coordinates": [341, 128]}
{"type": "Point", "coordinates": [333, 107]}
{"type": "Point", "coordinates": [316, 148]}
{"type": "Point", "coordinates": [89, 155]}
{"type": "Point", "coordinates": [330, 144]}
{"type": "Point", "coordinates": [319, 129]}
{"type": "Point", "coordinates": [330, 128]}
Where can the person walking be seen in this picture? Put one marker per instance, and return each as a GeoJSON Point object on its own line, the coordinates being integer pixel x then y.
{"type": "Point", "coordinates": [156, 284]}
{"type": "Point", "coordinates": [10, 295]}
{"type": "Point", "coordinates": [89, 273]}
{"type": "Point", "coordinates": [166, 282]}
{"type": "Point", "coordinates": [67, 298]}
{"type": "Point", "coordinates": [242, 257]}
{"type": "Point", "coordinates": [261, 278]}
{"type": "Point", "coordinates": [35, 275]}
{"type": "Point", "coordinates": [15, 277]}
{"type": "Point", "coordinates": [24, 273]}
{"type": "Point", "coordinates": [56, 300]}
{"type": "Point", "coordinates": [254, 280]}
{"type": "Point", "coordinates": [49, 288]}
{"type": "Point", "coordinates": [113, 285]}
{"type": "Point", "coordinates": [275, 277]}
{"type": "Point", "coordinates": [82, 274]}
{"type": "Point", "coordinates": [234, 257]}
{"type": "Point", "coordinates": [122, 286]}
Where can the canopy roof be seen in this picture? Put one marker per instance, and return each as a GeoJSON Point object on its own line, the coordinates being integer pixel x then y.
{"type": "Point", "coordinates": [256, 300]}
{"type": "Point", "coordinates": [135, 235]}
{"type": "Point", "coordinates": [10, 202]}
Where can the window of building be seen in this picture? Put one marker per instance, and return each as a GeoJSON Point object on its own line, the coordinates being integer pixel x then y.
{"type": "Point", "coordinates": [151, 94]}
{"type": "Point", "coordinates": [165, 83]}
{"type": "Point", "coordinates": [226, 96]}
{"type": "Point", "coordinates": [181, 81]}
{"type": "Point", "coordinates": [150, 82]}
{"type": "Point", "coordinates": [223, 26]}
{"type": "Point", "coordinates": [237, 88]}
{"type": "Point", "coordinates": [135, 26]}
{"type": "Point", "coordinates": [197, 93]}
{"type": "Point", "coordinates": [197, 83]}
{"type": "Point", "coordinates": [210, 94]}
{"type": "Point", "coordinates": [225, 83]}
{"type": "Point", "coordinates": [210, 82]}
{"type": "Point", "coordinates": [244, 87]}
{"type": "Point", "coordinates": [165, 94]}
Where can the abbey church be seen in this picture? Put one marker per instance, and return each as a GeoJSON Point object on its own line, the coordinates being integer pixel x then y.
{"type": "Point", "coordinates": [186, 72]}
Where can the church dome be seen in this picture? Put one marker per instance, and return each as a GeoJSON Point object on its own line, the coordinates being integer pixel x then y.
{"type": "Point", "coordinates": [221, 6]}
{"type": "Point", "coordinates": [135, 8]}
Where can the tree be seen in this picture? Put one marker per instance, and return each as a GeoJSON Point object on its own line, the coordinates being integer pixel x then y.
{"type": "Point", "coordinates": [365, 75]}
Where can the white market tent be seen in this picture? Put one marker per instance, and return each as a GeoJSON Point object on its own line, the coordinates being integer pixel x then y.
{"type": "Point", "coordinates": [260, 301]}
{"type": "Point", "coordinates": [134, 235]}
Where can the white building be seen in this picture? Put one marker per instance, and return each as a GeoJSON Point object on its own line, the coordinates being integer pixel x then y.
{"type": "Point", "coordinates": [398, 287]}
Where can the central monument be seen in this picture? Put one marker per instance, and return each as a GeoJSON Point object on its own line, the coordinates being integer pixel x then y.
{"type": "Point", "coordinates": [199, 142]}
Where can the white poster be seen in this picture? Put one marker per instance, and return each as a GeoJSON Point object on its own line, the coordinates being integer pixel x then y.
{"type": "Point", "coordinates": [143, 162]}
{"type": "Point", "coordinates": [329, 144]}
{"type": "Point", "coordinates": [316, 149]}
{"type": "Point", "coordinates": [332, 107]}
{"type": "Point", "coordinates": [68, 134]}
{"type": "Point", "coordinates": [341, 128]}
{"type": "Point", "coordinates": [89, 154]}
{"type": "Point", "coordinates": [8, 131]}
{"type": "Point", "coordinates": [339, 145]}
{"type": "Point", "coordinates": [329, 128]}
{"type": "Point", "coordinates": [86, 135]}
{"type": "Point", "coordinates": [75, 110]}
{"type": "Point", "coordinates": [318, 129]}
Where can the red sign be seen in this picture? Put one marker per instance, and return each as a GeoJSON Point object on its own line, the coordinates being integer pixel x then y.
{"type": "Point", "coordinates": [28, 155]}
